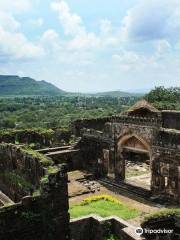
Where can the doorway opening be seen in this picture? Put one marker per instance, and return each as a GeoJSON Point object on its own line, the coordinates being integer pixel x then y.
{"type": "Point", "coordinates": [137, 169]}
{"type": "Point", "coordinates": [136, 157]}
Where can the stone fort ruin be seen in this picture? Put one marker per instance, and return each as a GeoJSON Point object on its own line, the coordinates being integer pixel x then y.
{"type": "Point", "coordinates": [34, 202]}
{"type": "Point", "coordinates": [142, 133]}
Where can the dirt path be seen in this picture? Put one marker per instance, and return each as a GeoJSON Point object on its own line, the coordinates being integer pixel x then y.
{"type": "Point", "coordinates": [77, 188]}
{"type": "Point", "coordinates": [145, 207]}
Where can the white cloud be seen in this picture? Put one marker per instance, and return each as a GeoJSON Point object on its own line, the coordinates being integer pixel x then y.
{"type": "Point", "coordinates": [16, 46]}
{"type": "Point", "coordinates": [74, 27]}
{"type": "Point", "coordinates": [8, 21]}
{"type": "Point", "coordinates": [38, 22]}
{"type": "Point", "coordinates": [162, 47]}
{"type": "Point", "coordinates": [51, 42]}
{"type": "Point", "coordinates": [84, 41]}
{"type": "Point", "coordinates": [71, 22]}
{"type": "Point", "coordinates": [127, 57]}
{"type": "Point", "coordinates": [105, 26]}
{"type": "Point", "coordinates": [155, 19]}
{"type": "Point", "coordinates": [130, 61]}
{"type": "Point", "coordinates": [15, 5]}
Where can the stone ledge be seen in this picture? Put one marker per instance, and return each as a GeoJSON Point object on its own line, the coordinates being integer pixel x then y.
{"type": "Point", "coordinates": [119, 227]}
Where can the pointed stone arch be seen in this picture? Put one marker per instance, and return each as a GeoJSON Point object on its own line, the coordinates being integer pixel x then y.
{"type": "Point", "coordinates": [129, 142]}
{"type": "Point", "coordinates": [134, 141]}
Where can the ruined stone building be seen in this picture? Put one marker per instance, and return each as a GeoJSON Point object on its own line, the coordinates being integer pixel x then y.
{"type": "Point", "coordinates": [34, 203]}
{"type": "Point", "coordinates": [142, 132]}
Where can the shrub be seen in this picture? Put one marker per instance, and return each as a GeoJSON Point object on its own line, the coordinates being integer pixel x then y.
{"type": "Point", "coordinates": [164, 213]}
{"type": "Point", "coordinates": [100, 197]}
{"type": "Point", "coordinates": [111, 237]}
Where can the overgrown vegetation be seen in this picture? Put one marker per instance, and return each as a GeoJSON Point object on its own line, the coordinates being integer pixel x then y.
{"type": "Point", "coordinates": [111, 237]}
{"type": "Point", "coordinates": [45, 161]}
{"type": "Point", "coordinates": [16, 179]}
{"type": "Point", "coordinates": [57, 112]}
{"type": "Point", "coordinates": [37, 138]}
{"type": "Point", "coordinates": [162, 214]}
{"type": "Point", "coordinates": [103, 207]}
{"type": "Point", "coordinates": [165, 98]}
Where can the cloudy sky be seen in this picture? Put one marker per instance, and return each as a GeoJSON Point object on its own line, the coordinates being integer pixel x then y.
{"type": "Point", "coordinates": [97, 45]}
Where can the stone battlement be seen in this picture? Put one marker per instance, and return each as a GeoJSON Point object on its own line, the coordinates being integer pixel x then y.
{"type": "Point", "coordinates": [146, 121]}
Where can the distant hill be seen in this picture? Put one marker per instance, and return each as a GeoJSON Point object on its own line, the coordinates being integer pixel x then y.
{"type": "Point", "coordinates": [117, 94]}
{"type": "Point", "coordinates": [24, 86]}
{"type": "Point", "coordinates": [15, 85]}
{"type": "Point", "coordinates": [107, 94]}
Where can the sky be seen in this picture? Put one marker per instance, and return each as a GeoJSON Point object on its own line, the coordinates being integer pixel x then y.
{"type": "Point", "coordinates": [91, 46]}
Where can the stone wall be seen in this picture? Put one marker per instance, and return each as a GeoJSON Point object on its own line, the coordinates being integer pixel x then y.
{"type": "Point", "coordinates": [37, 138]}
{"type": "Point", "coordinates": [93, 155]}
{"type": "Point", "coordinates": [99, 123]}
{"type": "Point", "coordinates": [21, 170]}
{"type": "Point", "coordinates": [169, 138]}
{"type": "Point", "coordinates": [71, 157]}
{"type": "Point", "coordinates": [166, 164]}
{"type": "Point", "coordinates": [97, 228]}
{"type": "Point", "coordinates": [106, 141]}
{"type": "Point", "coordinates": [171, 119]}
{"type": "Point", "coordinates": [44, 217]}
{"type": "Point", "coordinates": [166, 173]}
{"type": "Point", "coordinates": [96, 123]}
{"type": "Point", "coordinates": [169, 222]}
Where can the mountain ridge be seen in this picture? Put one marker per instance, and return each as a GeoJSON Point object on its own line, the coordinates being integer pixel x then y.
{"type": "Point", "coordinates": [13, 85]}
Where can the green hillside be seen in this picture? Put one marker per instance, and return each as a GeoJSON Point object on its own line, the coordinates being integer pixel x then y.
{"type": "Point", "coordinates": [25, 86]}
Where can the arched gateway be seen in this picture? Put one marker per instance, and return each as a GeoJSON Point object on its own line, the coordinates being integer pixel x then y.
{"type": "Point", "coordinates": [139, 141]}
{"type": "Point", "coordinates": [133, 160]}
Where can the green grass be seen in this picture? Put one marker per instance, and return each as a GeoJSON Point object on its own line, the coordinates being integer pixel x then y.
{"type": "Point", "coordinates": [104, 209]}
{"type": "Point", "coordinates": [111, 237]}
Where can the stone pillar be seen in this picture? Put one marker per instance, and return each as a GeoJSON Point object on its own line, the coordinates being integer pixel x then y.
{"type": "Point", "coordinates": [119, 165]}
{"type": "Point", "coordinates": [111, 169]}
{"type": "Point", "coordinates": [56, 192]}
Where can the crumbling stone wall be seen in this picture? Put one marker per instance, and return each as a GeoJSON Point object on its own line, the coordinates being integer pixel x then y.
{"type": "Point", "coordinates": [171, 119]}
{"type": "Point", "coordinates": [94, 227]}
{"type": "Point", "coordinates": [37, 138]}
{"type": "Point", "coordinates": [44, 217]}
{"type": "Point", "coordinates": [71, 157]}
{"type": "Point", "coordinates": [166, 173]}
{"type": "Point", "coordinates": [102, 150]}
{"type": "Point", "coordinates": [96, 123]}
{"type": "Point", "coordinates": [94, 155]}
{"type": "Point", "coordinates": [166, 164]}
{"type": "Point", "coordinates": [20, 170]}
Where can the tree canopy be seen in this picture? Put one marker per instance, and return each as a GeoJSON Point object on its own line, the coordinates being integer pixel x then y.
{"type": "Point", "coordinates": [165, 98]}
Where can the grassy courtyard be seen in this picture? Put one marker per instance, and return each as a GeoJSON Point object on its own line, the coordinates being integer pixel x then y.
{"type": "Point", "coordinates": [104, 206]}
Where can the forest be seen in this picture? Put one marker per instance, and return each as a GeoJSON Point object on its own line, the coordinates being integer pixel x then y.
{"type": "Point", "coordinates": [59, 111]}
{"type": "Point", "coordinates": [165, 98]}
